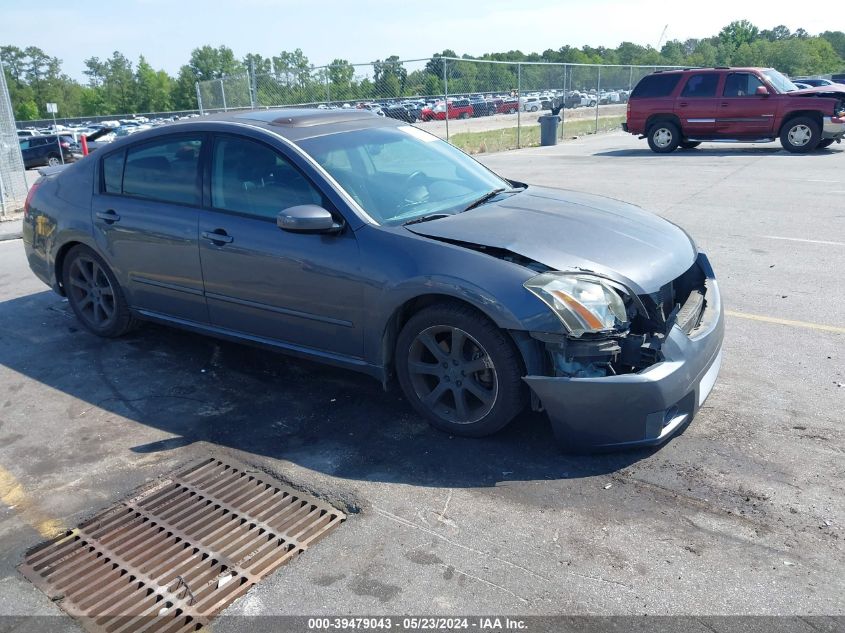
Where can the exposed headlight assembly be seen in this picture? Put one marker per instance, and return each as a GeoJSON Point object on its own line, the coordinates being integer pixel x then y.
{"type": "Point", "coordinates": [586, 304]}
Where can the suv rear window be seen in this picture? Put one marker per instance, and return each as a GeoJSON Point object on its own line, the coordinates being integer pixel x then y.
{"type": "Point", "coordinates": [659, 85]}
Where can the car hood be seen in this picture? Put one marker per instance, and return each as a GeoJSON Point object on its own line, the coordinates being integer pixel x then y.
{"type": "Point", "coordinates": [837, 89]}
{"type": "Point", "coordinates": [567, 230]}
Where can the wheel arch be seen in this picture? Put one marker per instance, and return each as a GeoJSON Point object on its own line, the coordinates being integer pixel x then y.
{"type": "Point", "coordinates": [659, 118]}
{"type": "Point", "coordinates": [529, 349]}
{"type": "Point", "coordinates": [58, 264]}
{"type": "Point", "coordinates": [812, 114]}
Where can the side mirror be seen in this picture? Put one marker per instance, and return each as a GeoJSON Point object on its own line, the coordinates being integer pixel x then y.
{"type": "Point", "coordinates": [307, 218]}
{"type": "Point", "coordinates": [762, 91]}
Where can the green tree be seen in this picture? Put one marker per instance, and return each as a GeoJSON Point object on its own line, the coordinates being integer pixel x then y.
{"type": "Point", "coordinates": [738, 33]}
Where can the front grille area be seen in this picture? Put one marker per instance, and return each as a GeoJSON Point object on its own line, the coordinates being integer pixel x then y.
{"type": "Point", "coordinates": [175, 556]}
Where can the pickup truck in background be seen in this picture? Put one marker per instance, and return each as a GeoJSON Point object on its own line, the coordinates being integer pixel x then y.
{"type": "Point", "coordinates": [683, 108]}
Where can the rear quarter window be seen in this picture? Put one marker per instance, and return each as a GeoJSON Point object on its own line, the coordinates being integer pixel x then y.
{"type": "Point", "coordinates": [659, 85]}
{"type": "Point", "coordinates": [113, 172]}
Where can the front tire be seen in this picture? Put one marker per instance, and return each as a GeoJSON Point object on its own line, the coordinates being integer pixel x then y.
{"type": "Point", "coordinates": [459, 371]}
{"type": "Point", "coordinates": [94, 294]}
{"type": "Point", "coordinates": [664, 137]}
{"type": "Point", "coordinates": [689, 144]}
{"type": "Point", "coordinates": [825, 142]}
{"type": "Point", "coordinates": [800, 135]}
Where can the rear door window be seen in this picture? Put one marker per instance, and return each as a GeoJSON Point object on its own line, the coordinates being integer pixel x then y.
{"type": "Point", "coordinates": [660, 85]}
{"type": "Point", "coordinates": [113, 172]}
{"type": "Point", "coordinates": [165, 170]}
{"type": "Point", "coordinates": [701, 85]}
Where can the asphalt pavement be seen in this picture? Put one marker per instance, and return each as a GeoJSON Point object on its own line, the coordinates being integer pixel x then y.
{"type": "Point", "coordinates": [741, 514]}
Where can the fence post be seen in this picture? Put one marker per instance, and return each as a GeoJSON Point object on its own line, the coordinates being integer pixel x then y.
{"type": "Point", "coordinates": [199, 98]}
{"type": "Point", "coordinates": [328, 86]}
{"type": "Point", "coordinates": [563, 105]}
{"type": "Point", "coordinates": [518, 106]}
{"type": "Point", "coordinates": [598, 98]}
{"type": "Point", "coordinates": [253, 85]}
{"type": "Point", "coordinates": [446, 96]}
{"type": "Point", "coordinates": [631, 79]}
{"type": "Point", "coordinates": [223, 94]}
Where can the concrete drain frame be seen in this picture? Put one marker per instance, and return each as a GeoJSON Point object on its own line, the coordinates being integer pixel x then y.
{"type": "Point", "coordinates": [176, 555]}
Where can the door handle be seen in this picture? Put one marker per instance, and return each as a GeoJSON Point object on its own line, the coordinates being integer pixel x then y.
{"type": "Point", "coordinates": [217, 236]}
{"type": "Point", "coordinates": [109, 217]}
{"type": "Point", "coordinates": [724, 105]}
{"type": "Point", "coordinates": [683, 104]}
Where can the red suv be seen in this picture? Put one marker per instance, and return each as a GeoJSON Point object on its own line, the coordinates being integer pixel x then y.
{"type": "Point", "coordinates": [682, 108]}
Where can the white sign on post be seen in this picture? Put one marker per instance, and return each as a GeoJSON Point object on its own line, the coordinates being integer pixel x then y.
{"type": "Point", "coordinates": [52, 108]}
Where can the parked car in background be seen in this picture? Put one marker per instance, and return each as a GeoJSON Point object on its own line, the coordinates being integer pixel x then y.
{"type": "Point", "coordinates": [398, 111]}
{"type": "Point", "coordinates": [482, 107]}
{"type": "Point", "coordinates": [481, 295]}
{"type": "Point", "coordinates": [682, 108]}
{"type": "Point", "coordinates": [531, 104]}
{"type": "Point", "coordinates": [27, 133]}
{"type": "Point", "coordinates": [508, 106]}
{"type": "Point", "coordinates": [457, 109]}
{"type": "Point", "coordinates": [38, 151]}
{"type": "Point", "coordinates": [815, 82]}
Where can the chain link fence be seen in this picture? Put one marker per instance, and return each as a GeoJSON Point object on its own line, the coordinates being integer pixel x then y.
{"type": "Point", "coordinates": [13, 187]}
{"type": "Point", "coordinates": [479, 105]}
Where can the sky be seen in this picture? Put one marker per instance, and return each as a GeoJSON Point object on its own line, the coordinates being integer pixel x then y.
{"type": "Point", "coordinates": [166, 31]}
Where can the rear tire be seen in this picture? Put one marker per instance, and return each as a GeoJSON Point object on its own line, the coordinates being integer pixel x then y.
{"type": "Point", "coordinates": [825, 142]}
{"type": "Point", "coordinates": [689, 144]}
{"type": "Point", "coordinates": [664, 137]}
{"type": "Point", "coordinates": [94, 294]}
{"type": "Point", "coordinates": [459, 370]}
{"type": "Point", "coordinates": [54, 160]}
{"type": "Point", "coordinates": [800, 135]}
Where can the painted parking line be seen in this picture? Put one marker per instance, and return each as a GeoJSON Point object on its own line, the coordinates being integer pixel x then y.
{"type": "Point", "coordinates": [801, 239]}
{"type": "Point", "coordinates": [789, 322]}
{"type": "Point", "coordinates": [13, 495]}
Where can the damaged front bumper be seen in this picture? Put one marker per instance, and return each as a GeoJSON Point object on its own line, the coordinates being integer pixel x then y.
{"type": "Point", "coordinates": [644, 408]}
{"type": "Point", "coordinates": [833, 128]}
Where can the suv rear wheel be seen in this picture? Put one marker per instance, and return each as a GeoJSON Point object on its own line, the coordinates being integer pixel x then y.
{"type": "Point", "coordinates": [800, 135]}
{"type": "Point", "coordinates": [664, 137]}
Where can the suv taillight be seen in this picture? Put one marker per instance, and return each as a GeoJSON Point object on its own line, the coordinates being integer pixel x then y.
{"type": "Point", "coordinates": [29, 198]}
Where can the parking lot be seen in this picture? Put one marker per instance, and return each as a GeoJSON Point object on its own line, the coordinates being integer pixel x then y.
{"type": "Point", "coordinates": [741, 514]}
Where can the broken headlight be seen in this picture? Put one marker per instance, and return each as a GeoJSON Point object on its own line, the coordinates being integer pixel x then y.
{"type": "Point", "coordinates": [584, 303]}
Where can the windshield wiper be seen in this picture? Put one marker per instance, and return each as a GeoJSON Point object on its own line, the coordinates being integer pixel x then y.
{"type": "Point", "coordinates": [489, 196]}
{"type": "Point", "coordinates": [426, 218]}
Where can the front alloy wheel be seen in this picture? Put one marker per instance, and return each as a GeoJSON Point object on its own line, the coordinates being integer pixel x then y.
{"type": "Point", "coordinates": [459, 370]}
{"type": "Point", "coordinates": [800, 135]}
{"type": "Point", "coordinates": [452, 374]}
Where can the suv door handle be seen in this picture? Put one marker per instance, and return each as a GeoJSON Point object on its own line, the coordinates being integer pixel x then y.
{"type": "Point", "coordinates": [724, 104]}
{"type": "Point", "coordinates": [218, 237]}
{"type": "Point", "coordinates": [109, 217]}
{"type": "Point", "coordinates": [683, 104]}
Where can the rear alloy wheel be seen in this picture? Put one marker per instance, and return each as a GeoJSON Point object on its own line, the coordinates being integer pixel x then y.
{"type": "Point", "coordinates": [800, 135]}
{"type": "Point", "coordinates": [664, 137]}
{"type": "Point", "coordinates": [459, 371]}
{"type": "Point", "coordinates": [53, 160]}
{"type": "Point", "coordinates": [94, 294]}
{"type": "Point", "coordinates": [689, 144]}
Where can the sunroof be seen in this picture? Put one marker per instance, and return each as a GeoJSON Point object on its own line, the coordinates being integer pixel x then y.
{"type": "Point", "coordinates": [305, 117]}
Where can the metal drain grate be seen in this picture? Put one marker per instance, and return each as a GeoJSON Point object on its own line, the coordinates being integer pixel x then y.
{"type": "Point", "coordinates": [175, 556]}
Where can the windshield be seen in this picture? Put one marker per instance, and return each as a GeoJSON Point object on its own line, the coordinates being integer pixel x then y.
{"type": "Point", "coordinates": [778, 81]}
{"type": "Point", "coordinates": [400, 173]}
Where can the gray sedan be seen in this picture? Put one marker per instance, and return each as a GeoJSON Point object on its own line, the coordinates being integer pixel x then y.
{"type": "Point", "coordinates": [367, 243]}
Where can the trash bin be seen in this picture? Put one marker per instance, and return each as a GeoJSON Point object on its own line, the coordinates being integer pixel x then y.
{"type": "Point", "coordinates": [548, 129]}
